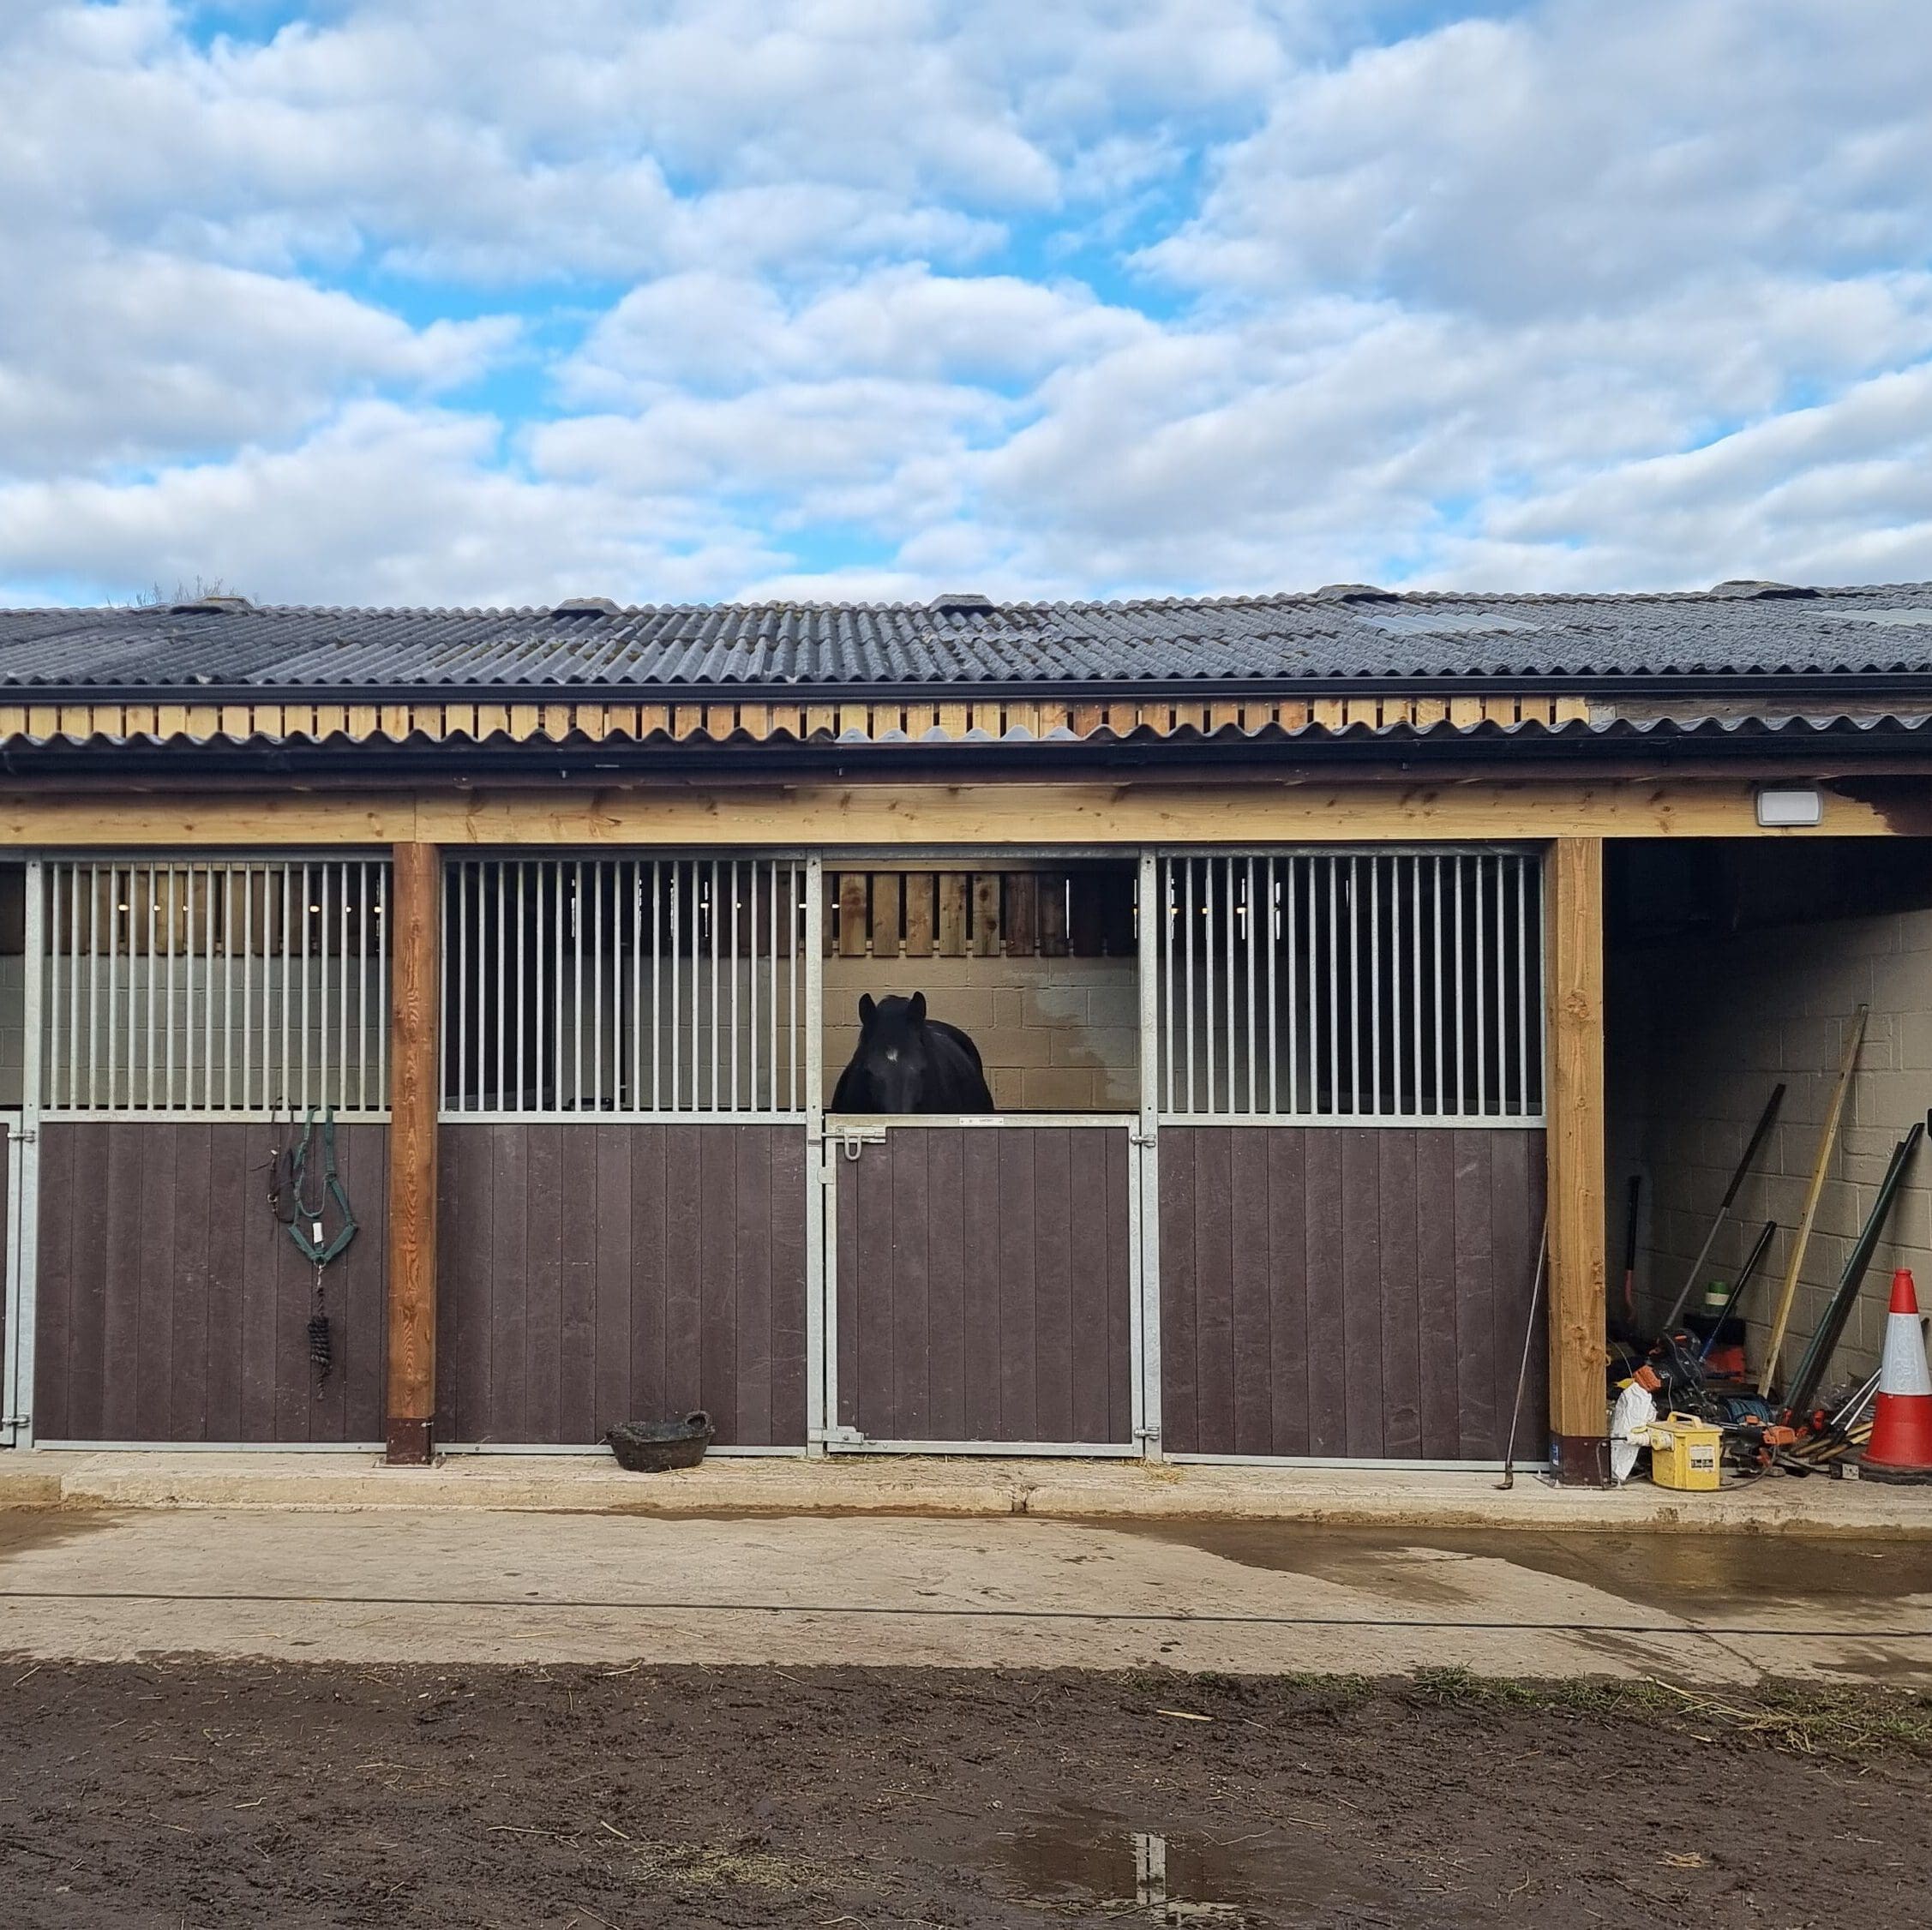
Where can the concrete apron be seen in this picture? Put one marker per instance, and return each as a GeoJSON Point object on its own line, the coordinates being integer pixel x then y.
{"type": "Point", "coordinates": [1064, 1489]}
{"type": "Point", "coordinates": [476, 1585]}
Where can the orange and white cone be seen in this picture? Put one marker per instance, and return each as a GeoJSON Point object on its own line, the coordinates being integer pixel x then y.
{"type": "Point", "coordinates": [1900, 1448]}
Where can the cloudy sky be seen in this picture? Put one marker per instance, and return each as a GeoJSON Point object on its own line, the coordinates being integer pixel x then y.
{"type": "Point", "coordinates": [483, 301]}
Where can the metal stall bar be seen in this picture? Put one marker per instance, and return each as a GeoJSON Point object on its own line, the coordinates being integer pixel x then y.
{"type": "Point", "coordinates": [1384, 945]}
{"type": "Point", "coordinates": [150, 950]}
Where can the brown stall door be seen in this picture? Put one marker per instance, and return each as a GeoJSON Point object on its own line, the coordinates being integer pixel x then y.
{"type": "Point", "coordinates": [598, 1272]}
{"type": "Point", "coordinates": [983, 1284]}
{"type": "Point", "coordinates": [1353, 1292]}
{"type": "Point", "coordinates": [170, 1306]}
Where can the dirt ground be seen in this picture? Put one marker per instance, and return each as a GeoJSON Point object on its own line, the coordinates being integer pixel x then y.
{"type": "Point", "coordinates": [213, 1795]}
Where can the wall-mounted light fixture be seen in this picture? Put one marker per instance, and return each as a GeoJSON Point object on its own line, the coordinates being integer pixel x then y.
{"type": "Point", "coordinates": [1792, 809]}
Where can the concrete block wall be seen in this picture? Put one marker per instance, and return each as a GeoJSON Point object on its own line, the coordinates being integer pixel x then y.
{"type": "Point", "coordinates": [1700, 1031]}
{"type": "Point", "coordinates": [1057, 1034]}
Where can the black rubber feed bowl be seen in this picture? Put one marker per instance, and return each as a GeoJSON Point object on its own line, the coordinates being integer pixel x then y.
{"type": "Point", "coordinates": [658, 1446]}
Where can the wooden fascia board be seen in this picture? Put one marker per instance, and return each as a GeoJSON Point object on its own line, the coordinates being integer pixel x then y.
{"type": "Point", "coordinates": [813, 814]}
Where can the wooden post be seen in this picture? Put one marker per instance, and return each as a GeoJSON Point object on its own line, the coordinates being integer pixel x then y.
{"type": "Point", "coordinates": [415, 951]}
{"type": "Point", "coordinates": [1574, 965]}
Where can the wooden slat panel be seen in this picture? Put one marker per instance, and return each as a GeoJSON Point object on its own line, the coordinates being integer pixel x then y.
{"type": "Point", "coordinates": [986, 932]}
{"type": "Point", "coordinates": [1251, 1332]}
{"type": "Point", "coordinates": [949, 1318]}
{"type": "Point", "coordinates": [188, 1289]}
{"type": "Point", "coordinates": [1053, 914]}
{"type": "Point", "coordinates": [1324, 1237]}
{"type": "Point", "coordinates": [920, 914]}
{"type": "Point", "coordinates": [1287, 1329]}
{"type": "Point", "coordinates": [854, 916]}
{"type": "Point", "coordinates": [952, 914]}
{"type": "Point", "coordinates": [54, 1297]}
{"type": "Point", "coordinates": [884, 924]}
{"type": "Point", "coordinates": [1362, 1288]}
{"type": "Point", "coordinates": [1022, 908]}
{"type": "Point", "coordinates": [1054, 1281]}
{"type": "Point", "coordinates": [1475, 1293]}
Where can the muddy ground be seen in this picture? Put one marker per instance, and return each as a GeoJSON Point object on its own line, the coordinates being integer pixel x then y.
{"type": "Point", "coordinates": [195, 1794]}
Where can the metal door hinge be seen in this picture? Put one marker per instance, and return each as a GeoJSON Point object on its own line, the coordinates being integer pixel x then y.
{"type": "Point", "coordinates": [839, 1437]}
{"type": "Point", "coordinates": [1142, 1139]}
{"type": "Point", "coordinates": [14, 1420]}
{"type": "Point", "coordinates": [23, 1136]}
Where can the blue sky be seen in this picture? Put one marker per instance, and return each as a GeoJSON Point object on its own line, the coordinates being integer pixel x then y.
{"type": "Point", "coordinates": [473, 301]}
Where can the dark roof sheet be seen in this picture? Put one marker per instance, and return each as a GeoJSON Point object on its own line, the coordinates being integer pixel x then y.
{"type": "Point", "coordinates": [1752, 630]}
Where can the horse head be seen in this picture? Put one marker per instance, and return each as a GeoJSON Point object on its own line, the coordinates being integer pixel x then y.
{"type": "Point", "coordinates": [894, 1054]}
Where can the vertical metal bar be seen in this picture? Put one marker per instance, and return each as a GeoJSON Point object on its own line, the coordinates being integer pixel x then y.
{"type": "Point", "coordinates": [1250, 932]}
{"type": "Point", "coordinates": [1187, 976]}
{"type": "Point", "coordinates": [527, 1011]}
{"type": "Point", "coordinates": [94, 923]}
{"type": "Point", "coordinates": [22, 1265]}
{"type": "Point", "coordinates": [1162, 907]}
{"type": "Point", "coordinates": [636, 1055]}
{"type": "Point", "coordinates": [795, 948]}
{"type": "Point", "coordinates": [731, 973]}
{"type": "Point", "coordinates": [340, 1096]}
{"type": "Point", "coordinates": [1374, 987]}
{"type": "Point", "coordinates": [207, 990]}
{"type": "Point", "coordinates": [577, 976]}
{"type": "Point", "coordinates": [248, 984]}
{"type": "Point", "coordinates": [656, 989]}
{"type": "Point", "coordinates": [1523, 1106]}
{"type": "Point", "coordinates": [382, 981]}
{"type": "Point", "coordinates": [52, 981]}
{"type": "Point", "coordinates": [308, 983]}
{"type": "Point", "coordinates": [717, 1001]}
{"type": "Point", "coordinates": [543, 1020]}
{"type": "Point", "coordinates": [363, 920]}
{"type": "Point", "coordinates": [1398, 1059]}
{"type": "Point", "coordinates": [466, 898]}
{"type": "Point", "coordinates": [1290, 944]}
{"type": "Point", "coordinates": [1442, 1107]}
{"type": "Point", "coordinates": [758, 869]}
{"type": "Point", "coordinates": [820, 1395]}
{"type": "Point", "coordinates": [679, 918]}
{"type": "Point", "coordinates": [1415, 980]}
{"type": "Point", "coordinates": [88, 988]}
{"type": "Point", "coordinates": [1461, 998]}
{"type": "Point", "coordinates": [1154, 934]}
{"type": "Point", "coordinates": [166, 1007]}
{"type": "Point", "coordinates": [134, 995]}
{"type": "Point", "coordinates": [284, 951]}
{"type": "Point", "coordinates": [1482, 869]}
{"type": "Point", "coordinates": [314, 899]}
{"type": "Point", "coordinates": [227, 1099]}
{"type": "Point", "coordinates": [1273, 941]}
{"type": "Point", "coordinates": [148, 949]}
{"type": "Point", "coordinates": [599, 868]}
{"type": "Point", "coordinates": [1331, 866]}
{"type": "Point", "coordinates": [1227, 967]}
{"type": "Point", "coordinates": [500, 1022]}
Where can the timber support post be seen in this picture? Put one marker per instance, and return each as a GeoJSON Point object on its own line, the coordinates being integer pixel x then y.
{"type": "Point", "coordinates": [415, 955]}
{"type": "Point", "coordinates": [1573, 896]}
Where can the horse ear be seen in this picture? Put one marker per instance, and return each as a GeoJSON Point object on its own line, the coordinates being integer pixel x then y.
{"type": "Point", "coordinates": [915, 1008]}
{"type": "Point", "coordinates": [868, 1008]}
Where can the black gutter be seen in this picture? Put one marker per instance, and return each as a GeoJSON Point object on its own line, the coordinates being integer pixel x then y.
{"type": "Point", "coordinates": [1796, 690]}
{"type": "Point", "coordinates": [1524, 754]}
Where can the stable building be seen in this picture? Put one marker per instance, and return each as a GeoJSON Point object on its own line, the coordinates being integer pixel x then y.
{"type": "Point", "coordinates": [1328, 958]}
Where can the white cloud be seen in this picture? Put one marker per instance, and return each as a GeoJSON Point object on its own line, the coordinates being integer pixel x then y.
{"type": "Point", "coordinates": [1112, 295]}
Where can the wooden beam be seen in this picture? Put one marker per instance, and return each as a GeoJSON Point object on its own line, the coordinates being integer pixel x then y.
{"type": "Point", "coordinates": [415, 944]}
{"type": "Point", "coordinates": [708, 813]}
{"type": "Point", "coordinates": [1573, 969]}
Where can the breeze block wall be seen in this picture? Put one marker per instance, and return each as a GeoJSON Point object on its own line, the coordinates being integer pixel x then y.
{"type": "Point", "coordinates": [1702, 1028]}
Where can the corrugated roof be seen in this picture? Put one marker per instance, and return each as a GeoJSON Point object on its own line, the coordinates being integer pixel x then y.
{"type": "Point", "coordinates": [1736, 631]}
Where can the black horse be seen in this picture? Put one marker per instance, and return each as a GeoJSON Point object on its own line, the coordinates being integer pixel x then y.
{"type": "Point", "coordinates": [907, 1063]}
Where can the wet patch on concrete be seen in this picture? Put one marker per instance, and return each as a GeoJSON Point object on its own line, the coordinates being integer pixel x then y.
{"type": "Point", "coordinates": [25, 1529]}
{"type": "Point", "coordinates": [1696, 1577]}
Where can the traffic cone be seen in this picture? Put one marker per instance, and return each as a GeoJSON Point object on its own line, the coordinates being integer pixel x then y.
{"type": "Point", "coordinates": [1900, 1448]}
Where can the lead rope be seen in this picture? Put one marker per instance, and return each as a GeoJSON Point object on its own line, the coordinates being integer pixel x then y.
{"type": "Point", "coordinates": [317, 1250]}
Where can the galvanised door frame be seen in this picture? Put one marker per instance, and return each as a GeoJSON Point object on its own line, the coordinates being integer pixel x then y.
{"type": "Point", "coordinates": [23, 1184]}
{"type": "Point", "coordinates": [834, 1144]}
